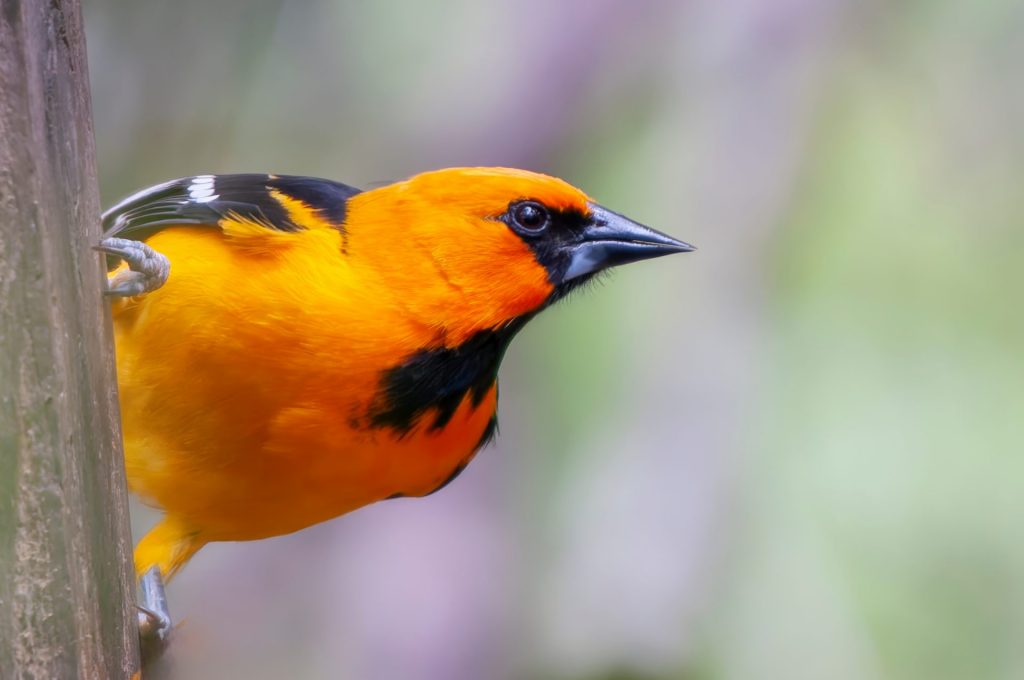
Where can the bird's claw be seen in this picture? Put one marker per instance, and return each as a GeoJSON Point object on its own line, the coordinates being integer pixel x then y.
{"type": "Point", "coordinates": [147, 269]}
{"type": "Point", "coordinates": [154, 620]}
{"type": "Point", "coordinates": [153, 624]}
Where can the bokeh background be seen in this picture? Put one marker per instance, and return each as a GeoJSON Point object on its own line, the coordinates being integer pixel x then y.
{"type": "Point", "coordinates": [796, 453]}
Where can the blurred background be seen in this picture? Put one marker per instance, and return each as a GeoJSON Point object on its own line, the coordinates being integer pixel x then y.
{"type": "Point", "coordinates": [796, 453]}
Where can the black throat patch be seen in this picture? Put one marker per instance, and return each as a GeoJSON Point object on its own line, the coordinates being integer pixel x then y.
{"type": "Point", "coordinates": [438, 379]}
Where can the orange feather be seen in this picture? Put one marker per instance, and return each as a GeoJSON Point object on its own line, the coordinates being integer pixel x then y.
{"type": "Point", "coordinates": [250, 381]}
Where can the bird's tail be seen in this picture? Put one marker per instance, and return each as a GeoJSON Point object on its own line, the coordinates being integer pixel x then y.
{"type": "Point", "coordinates": [168, 545]}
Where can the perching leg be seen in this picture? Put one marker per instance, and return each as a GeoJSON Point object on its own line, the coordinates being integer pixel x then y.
{"type": "Point", "coordinates": [147, 269]}
{"type": "Point", "coordinates": [154, 619]}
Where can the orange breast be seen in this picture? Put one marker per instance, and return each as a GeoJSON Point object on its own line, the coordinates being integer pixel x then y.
{"type": "Point", "coordinates": [306, 467]}
{"type": "Point", "coordinates": [246, 383]}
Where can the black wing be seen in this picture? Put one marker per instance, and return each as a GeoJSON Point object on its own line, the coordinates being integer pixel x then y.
{"type": "Point", "coordinates": [207, 199]}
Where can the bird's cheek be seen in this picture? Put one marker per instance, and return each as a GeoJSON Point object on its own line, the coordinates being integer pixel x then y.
{"type": "Point", "coordinates": [517, 279]}
{"type": "Point", "coordinates": [491, 286]}
{"type": "Point", "coordinates": [527, 287]}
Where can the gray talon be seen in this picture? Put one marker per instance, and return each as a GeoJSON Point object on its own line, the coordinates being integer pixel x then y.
{"type": "Point", "coordinates": [154, 619]}
{"type": "Point", "coordinates": [147, 269]}
{"type": "Point", "coordinates": [153, 624]}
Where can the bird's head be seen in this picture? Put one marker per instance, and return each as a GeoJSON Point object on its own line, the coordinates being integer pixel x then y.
{"type": "Point", "coordinates": [476, 249]}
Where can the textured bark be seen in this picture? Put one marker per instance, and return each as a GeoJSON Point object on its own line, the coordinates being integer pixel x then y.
{"type": "Point", "coordinates": [66, 587]}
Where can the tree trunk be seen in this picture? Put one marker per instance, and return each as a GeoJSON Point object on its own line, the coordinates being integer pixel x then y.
{"type": "Point", "coordinates": [66, 583]}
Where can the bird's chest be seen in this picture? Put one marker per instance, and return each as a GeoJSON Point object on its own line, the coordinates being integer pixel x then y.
{"type": "Point", "coordinates": [435, 450]}
{"type": "Point", "coordinates": [312, 466]}
{"type": "Point", "coordinates": [433, 410]}
{"type": "Point", "coordinates": [427, 417]}
{"type": "Point", "coordinates": [275, 426]}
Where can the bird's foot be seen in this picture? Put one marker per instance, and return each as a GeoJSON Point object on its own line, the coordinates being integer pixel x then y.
{"type": "Point", "coordinates": [147, 269]}
{"type": "Point", "coordinates": [154, 619]}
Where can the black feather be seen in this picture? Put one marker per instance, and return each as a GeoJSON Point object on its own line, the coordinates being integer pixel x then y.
{"type": "Point", "coordinates": [245, 195]}
{"type": "Point", "coordinates": [438, 379]}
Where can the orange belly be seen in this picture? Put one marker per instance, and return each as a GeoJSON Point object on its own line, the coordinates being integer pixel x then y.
{"type": "Point", "coordinates": [306, 466]}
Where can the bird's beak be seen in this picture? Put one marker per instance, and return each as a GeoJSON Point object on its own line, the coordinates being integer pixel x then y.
{"type": "Point", "coordinates": [611, 239]}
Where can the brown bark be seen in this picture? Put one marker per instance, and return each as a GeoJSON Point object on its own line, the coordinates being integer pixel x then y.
{"type": "Point", "coordinates": [66, 587]}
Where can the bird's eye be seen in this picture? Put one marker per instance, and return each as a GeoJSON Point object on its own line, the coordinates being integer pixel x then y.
{"type": "Point", "coordinates": [530, 217]}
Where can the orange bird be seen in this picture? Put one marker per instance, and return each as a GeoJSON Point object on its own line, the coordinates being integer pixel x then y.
{"type": "Point", "coordinates": [290, 349]}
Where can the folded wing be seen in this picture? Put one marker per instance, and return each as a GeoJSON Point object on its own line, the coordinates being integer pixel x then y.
{"type": "Point", "coordinates": [278, 202]}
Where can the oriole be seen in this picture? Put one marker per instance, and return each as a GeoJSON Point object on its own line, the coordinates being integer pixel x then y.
{"type": "Point", "coordinates": [290, 349]}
